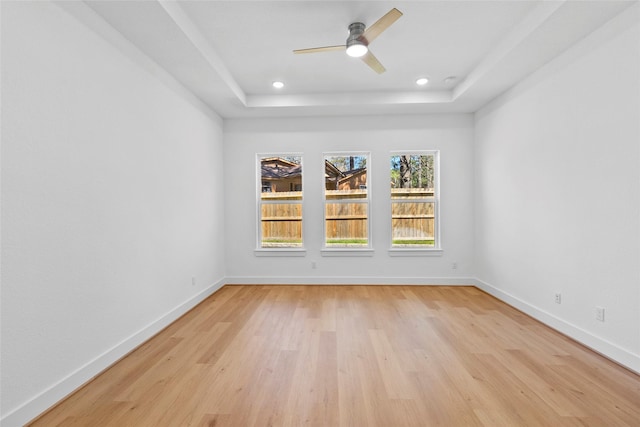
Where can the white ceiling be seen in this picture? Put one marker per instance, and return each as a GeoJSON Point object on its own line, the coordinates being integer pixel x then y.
{"type": "Point", "coordinates": [228, 53]}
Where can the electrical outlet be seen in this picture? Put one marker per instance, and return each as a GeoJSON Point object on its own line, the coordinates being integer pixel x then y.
{"type": "Point", "coordinates": [558, 298]}
{"type": "Point", "coordinates": [193, 281]}
{"type": "Point", "coordinates": [314, 265]}
{"type": "Point", "coordinates": [600, 314]}
{"type": "Point", "coordinates": [454, 265]}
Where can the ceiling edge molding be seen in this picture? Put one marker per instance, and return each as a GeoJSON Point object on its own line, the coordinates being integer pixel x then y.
{"type": "Point", "coordinates": [622, 22]}
{"type": "Point", "coordinates": [520, 32]}
{"type": "Point", "coordinates": [195, 36]}
{"type": "Point", "coordinates": [84, 13]}
{"type": "Point", "coordinates": [348, 99]}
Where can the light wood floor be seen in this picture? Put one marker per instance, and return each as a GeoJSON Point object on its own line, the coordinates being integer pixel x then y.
{"type": "Point", "coordinates": [356, 356]}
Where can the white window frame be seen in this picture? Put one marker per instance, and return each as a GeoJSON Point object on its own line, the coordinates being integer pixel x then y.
{"type": "Point", "coordinates": [327, 251]}
{"type": "Point", "coordinates": [286, 251]}
{"type": "Point", "coordinates": [421, 251]}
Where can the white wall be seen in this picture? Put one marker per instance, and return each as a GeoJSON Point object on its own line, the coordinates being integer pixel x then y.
{"type": "Point", "coordinates": [451, 134]}
{"type": "Point", "coordinates": [111, 203]}
{"type": "Point", "coordinates": [112, 186]}
{"type": "Point", "coordinates": [558, 192]}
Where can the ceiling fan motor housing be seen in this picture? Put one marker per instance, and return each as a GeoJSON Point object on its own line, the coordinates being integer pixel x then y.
{"type": "Point", "coordinates": [355, 33]}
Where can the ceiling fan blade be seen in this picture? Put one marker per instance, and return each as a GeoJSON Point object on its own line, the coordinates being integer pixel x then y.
{"type": "Point", "coordinates": [381, 24]}
{"type": "Point", "coordinates": [373, 62]}
{"type": "Point", "coordinates": [320, 49]}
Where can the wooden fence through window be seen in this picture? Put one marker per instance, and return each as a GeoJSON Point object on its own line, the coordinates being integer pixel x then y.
{"type": "Point", "coordinates": [412, 215]}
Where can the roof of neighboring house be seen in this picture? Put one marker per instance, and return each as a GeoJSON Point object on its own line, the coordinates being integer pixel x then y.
{"type": "Point", "coordinates": [270, 172]}
{"type": "Point", "coordinates": [285, 169]}
{"type": "Point", "coordinates": [352, 173]}
{"type": "Point", "coordinates": [280, 160]}
{"type": "Point", "coordinates": [330, 170]}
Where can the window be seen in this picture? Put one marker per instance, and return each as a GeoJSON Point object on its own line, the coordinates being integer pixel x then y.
{"type": "Point", "coordinates": [414, 200]}
{"type": "Point", "coordinates": [280, 201]}
{"type": "Point", "coordinates": [346, 206]}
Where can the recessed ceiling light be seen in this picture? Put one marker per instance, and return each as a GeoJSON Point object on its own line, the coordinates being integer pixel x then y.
{"type": "Point", "coordinates": [277, 84]}
{"type": "Point", "coordinates": [422, 81]}
{"type": "Point", "coordinates": [450, 79]}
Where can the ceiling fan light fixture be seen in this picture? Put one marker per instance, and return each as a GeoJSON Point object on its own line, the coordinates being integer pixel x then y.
{"type": "Point", "coordinates": [356, 50]}
{"type": "Point", "coordinates": [355, 46]}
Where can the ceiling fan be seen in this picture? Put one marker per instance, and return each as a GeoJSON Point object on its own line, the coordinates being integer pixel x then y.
{"type": "Point", "coordinates": [357, 44]}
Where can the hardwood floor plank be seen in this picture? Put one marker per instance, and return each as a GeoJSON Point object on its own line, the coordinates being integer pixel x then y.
{"type": "Point", "coordinates": [389, 367]}
{"type": "Point", "coordinates": [354, 356]}
{"type": "Point", "coordinates": [443, 404]}
{"type": "Point", "coordinates": [214, 420]}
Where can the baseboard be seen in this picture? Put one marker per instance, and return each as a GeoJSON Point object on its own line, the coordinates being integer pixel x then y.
{"type": "Point", "coordinates": [82, 375]}
{"type": "Point", "coordinates": [599, 345]}
{"type": "Point", "coordinates": [350, 280]}
{"type": "Point", "coordinates": [49, 397]}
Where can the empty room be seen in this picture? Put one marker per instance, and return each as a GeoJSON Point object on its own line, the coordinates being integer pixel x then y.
{"type": "Point", "coordinates": [324, 213]}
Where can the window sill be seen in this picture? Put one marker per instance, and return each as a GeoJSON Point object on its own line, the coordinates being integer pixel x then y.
{"type": "Point", "coordinates": [288, 252]}
{"type": "Point", "coordinates": [415, 252]}
{"type": "Point", "coordinates": [346, 252]}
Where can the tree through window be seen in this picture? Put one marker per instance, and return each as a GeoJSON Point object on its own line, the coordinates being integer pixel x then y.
{"type": "Point", "coordinates": [414, 200]}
